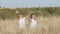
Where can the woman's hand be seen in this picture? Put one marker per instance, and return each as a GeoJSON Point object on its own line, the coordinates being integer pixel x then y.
{"type": "Point", "coordinates": [17, 12]}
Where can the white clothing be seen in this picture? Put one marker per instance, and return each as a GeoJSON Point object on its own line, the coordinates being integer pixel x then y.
{"type": "Point", "coordinates": [33, 23]}
{"type": "Point", "coordinates": [22, 23]}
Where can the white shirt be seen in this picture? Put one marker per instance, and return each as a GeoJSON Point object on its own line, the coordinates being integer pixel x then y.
{"type": "Point", "coordinates": [22, 23]}
{"type": "Point", "coordinates": [33, 23]}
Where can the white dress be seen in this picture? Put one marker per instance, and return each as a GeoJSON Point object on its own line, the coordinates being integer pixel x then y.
{"type": "Point", "coordinates": [22, 23]}
{"type": "Point", "coordinates": [33, 23]}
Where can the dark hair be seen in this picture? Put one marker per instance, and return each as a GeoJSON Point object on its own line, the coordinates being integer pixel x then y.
{"type": "Point", "coordinates": [31, 16]}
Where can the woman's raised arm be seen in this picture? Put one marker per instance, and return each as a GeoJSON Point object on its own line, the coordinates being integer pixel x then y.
{"type": "Point", "coordinates": [17, 14]}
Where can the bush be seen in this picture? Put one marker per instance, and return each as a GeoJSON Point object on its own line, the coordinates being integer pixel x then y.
{"type": "Point", "coordinates": [7, 13]}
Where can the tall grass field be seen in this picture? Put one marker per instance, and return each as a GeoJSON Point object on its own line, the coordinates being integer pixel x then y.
{"type": "Point", "coordinates": [48, 20]}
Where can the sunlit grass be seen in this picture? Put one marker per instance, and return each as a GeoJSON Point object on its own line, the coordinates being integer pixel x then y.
{"type": "Point", "coordinates": [46, 25]}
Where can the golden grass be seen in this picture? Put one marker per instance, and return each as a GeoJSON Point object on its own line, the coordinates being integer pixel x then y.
{"type": "Point", "coordinates": [46, 25]}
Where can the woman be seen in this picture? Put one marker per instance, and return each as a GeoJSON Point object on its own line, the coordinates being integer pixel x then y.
{"type": "Point", "coordinates": [21, 20]}
{"type": "Point", "coordinates": [33, 23]}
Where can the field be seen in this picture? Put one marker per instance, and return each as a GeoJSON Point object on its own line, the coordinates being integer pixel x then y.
{"type": "Point", "coordinates": [48, 20]}
{"type": "Point", "coordinates": [46, 25]}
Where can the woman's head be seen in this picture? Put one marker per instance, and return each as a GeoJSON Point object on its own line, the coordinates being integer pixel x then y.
{"type": "Point", "coordinates": [32, 16]}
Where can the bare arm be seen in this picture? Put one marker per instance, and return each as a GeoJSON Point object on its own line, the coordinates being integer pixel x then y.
{"type": "Point", "coordinates": [17, 14]}
{"type": "Point", "coordinates": [28, 18]}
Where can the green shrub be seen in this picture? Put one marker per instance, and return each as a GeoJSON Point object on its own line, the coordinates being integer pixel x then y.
{"type": "Point", "coordinates": [7, 13]}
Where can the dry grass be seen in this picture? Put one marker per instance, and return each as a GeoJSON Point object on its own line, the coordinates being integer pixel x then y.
{"type": "Point", "coordinates": [46, 25]}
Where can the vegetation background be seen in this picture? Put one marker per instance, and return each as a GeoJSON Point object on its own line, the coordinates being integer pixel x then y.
{"type": "Point", "coordinates": [9, 13]}
{"type": "Point", "coordinates": [48, 20]}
